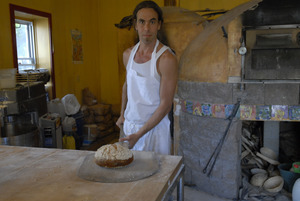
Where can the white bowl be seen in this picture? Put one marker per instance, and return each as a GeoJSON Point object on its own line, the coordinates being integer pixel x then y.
{"type": "Point", "coordinates": [273, 184]}
{"type": "Point", "coordinates": [258, 170]}
{"type": "Point", "coordinates": [268, 153]}
{"type": "Point", "coordinates": [258, 179]}
{"type": "Point", "coordinates": [269, 160]}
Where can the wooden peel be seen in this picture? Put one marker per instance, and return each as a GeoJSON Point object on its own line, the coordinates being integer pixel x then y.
{"type": "Point", "coordinates": [145, 164]}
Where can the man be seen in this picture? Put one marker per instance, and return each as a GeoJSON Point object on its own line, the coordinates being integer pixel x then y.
{"type": "Point", "coordinates": [150, 84]}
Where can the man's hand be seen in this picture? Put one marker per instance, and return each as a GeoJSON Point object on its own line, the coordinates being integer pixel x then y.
{"type": "Point", "coordinates": [132, 139]}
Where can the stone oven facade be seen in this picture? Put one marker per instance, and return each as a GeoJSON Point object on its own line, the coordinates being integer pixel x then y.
{"type": "Point", "coordinates": [212, 81]}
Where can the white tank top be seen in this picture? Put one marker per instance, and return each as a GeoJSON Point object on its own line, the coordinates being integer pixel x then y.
{"type": "Point", "coordinates": [143, 69]}
{"type": "Point", "coordinates": [143, 100]}
{"type": "Point", "coordinates": [142, 91]}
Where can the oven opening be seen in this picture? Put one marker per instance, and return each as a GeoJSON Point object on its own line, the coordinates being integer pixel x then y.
{"type": "Point", "coordinates": [268, 152]}
{"type": "Point", "coordinates": [272, 53]}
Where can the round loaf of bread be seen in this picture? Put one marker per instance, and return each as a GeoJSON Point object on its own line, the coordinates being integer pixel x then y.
{"type": "Point", "coordinates": [113, 155]}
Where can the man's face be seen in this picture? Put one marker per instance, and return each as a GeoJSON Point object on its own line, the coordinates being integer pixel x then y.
{"type": "Point", "coordinates": [147, 25]}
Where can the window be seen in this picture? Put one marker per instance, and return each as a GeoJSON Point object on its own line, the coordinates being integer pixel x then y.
{"type": "Point", "coordinates": [25, 45]}
{"type": "Point", "coordinates": [31, 32]}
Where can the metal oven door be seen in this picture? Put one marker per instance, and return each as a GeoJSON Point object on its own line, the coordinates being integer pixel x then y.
{"type": "Point", "coordinates": [273, 54]}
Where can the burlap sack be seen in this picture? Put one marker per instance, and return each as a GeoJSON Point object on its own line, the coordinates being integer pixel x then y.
{"type": "Point", "coordinates": [88, 98]}
{"type": "Point", "coordinates": [99, 119]}
{"type": "Point", "coordinates": [105, 126]}
{"type": "Point", "coordinates": [89, 119]}
{"type": "Point", "coordinates": [100, 109]}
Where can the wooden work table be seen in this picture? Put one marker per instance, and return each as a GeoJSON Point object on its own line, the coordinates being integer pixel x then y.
{"type": "Point", "coordinates": [40, 174]}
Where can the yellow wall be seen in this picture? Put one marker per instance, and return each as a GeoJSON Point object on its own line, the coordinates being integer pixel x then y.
{"type": "Point", "coordinates": [95, 19]}
{"type": "Point", "coordinates": [78, 15]}
{"type": "Point", "coordinates": [42, 43]}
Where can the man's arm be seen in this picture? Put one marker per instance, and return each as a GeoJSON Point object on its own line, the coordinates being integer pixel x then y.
{"type": "Point", "coordinates": [121, 119]}
{"type": "Point", "coordinates": [168, 69]}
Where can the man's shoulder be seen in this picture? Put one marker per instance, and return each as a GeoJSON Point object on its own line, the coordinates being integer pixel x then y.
{"type": "Point", "coordinates": [167, 61]}
{"type": "Point", "coordinates": [127, 52]}
{"type": "Point", "coordinates": [168, 55]}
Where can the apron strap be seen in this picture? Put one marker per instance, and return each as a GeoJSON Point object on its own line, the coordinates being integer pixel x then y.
{"type": "Point", "coordinates": [153, 59]}
{"type": "Point", "coordinates": [131, 57]}
{"type": "Point", "coordinates": [157, 55]}
{"type": "Point", "coordinates": [162, 50]}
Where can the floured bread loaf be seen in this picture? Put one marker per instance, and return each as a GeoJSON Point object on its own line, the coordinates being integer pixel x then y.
{"type": "Point", "coordinates": [113, 155]}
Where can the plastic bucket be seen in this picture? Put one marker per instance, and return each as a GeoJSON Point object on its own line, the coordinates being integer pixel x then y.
{"type": "Point", "coordinates": [296, 167]}
{"type": "Point", "coordinates": [288, 176]}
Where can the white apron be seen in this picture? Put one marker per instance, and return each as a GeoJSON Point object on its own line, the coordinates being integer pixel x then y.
{"type": "Point", "coordinates": [143, 100]}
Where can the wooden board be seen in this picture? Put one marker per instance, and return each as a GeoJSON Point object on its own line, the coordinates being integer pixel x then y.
{"type": "Point", "coordinates": [50, 174]}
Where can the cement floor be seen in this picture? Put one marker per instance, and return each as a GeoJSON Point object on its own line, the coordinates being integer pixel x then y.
{"type": "Point", "coordinates": [191, 194]}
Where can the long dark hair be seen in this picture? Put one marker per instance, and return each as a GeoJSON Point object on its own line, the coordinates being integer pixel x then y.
{"type": "Point", "coordinates": [148, 4]}
{"type": "Point", "coordinates": [128, 21]}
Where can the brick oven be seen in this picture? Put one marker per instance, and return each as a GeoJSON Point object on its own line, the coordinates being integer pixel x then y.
{"type": "Point", "coordinates": [250, 54]}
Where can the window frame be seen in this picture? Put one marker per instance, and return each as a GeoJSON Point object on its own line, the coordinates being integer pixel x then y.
{"type": "Point", "coordinates": [15, 8]}
{"type": "Point", "coordinates": [31, 45]}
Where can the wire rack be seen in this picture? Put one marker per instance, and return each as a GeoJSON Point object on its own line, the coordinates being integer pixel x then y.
{"type": "Point", "coordinates": [33, 76]}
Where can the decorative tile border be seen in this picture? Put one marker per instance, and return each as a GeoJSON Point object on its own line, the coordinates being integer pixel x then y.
{"type": "Point", "coordinates": [245, 112]}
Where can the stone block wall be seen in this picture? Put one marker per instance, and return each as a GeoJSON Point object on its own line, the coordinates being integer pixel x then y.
{"type": "Point", "coordinates": [199, 135]}
{"type": "Point", "coordinates": [199, 138]}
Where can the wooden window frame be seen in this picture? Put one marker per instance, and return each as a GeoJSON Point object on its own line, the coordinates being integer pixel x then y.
{"type": "Point", "coordinates": [17, 8]}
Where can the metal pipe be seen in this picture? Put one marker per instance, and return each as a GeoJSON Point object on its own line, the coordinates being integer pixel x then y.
{"type": "Point", "coordinates": [267, 82]}
{"type": "Point", "coordinates": [180, 190]}
{"type": "Point", "coordinates": [217, 150]}
{"type": "Point", "coordinates": [270, 82]}
{"type": "Point", "coordinates": [29, 96]}
{"type": "Point", "coordinates": [177, 181]}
